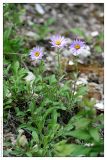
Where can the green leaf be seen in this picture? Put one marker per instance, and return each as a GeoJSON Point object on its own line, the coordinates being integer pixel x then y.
{"type": "Point", "coordinates": [68, 128]}
{"type": "Point", "coordinates": [26, 126]}
{"type": "Point", "coordinates": [16, 67]}
{"type": "Point", "coordinates": [52, 80]}
{"type": "Point", "coordinates": [35, 136]}
{"type": "Point", "coordinates": [80, 151]}
{"type": "Point", "coordinates": [98, 49]}
{"type": "Point", "coordinates": [64, 149]}
{"type": "Point", "coordinates": [95, 134]}
{"type": "Point", "coordinates": [80, 134]}
{"type": "Point", "coordinates": [9, 101]}
{"type": "Point", "coordinates": [81, 91]}
{"type": "Point", "coordinates": [7, 34]}
{"type": "Point", "coordinates": [82, 123]}
{"type": "Point", "coordinates": [32, 106]}
{"type": "Point", "coordinates": [49, 21]}
{"type": "Point", "coordinates": [8, 106]}
{"type": "Point", "coordinates": [78, 31]}
{"type": "Point", "coordinates": [65, 88]}
{"type": "Point", "coordinates": [29, 154]}
{"type": "Point", "coordinates": [19, 113]}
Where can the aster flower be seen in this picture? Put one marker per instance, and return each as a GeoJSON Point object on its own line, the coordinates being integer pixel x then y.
{"type": "Point", "coordinates": [76, 47]}
{"type": "Point", "coordinates": [58, 41]}
{"type": "Point", "coordinates": [36, 53]}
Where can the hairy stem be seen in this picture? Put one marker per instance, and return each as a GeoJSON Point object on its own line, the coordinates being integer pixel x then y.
{"type": "Point", "coordinates": [59, 65]}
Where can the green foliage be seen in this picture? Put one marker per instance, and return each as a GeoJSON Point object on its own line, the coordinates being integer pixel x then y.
{"type": "Point", "coordinates": [11, 44]}
{"type": "Point", "coordinates": [55, 121]}
{"type": "Point", "coordinates": [64, 149]}
{"type": "Point", "coordinates": [100, 37]}
{"type": "Point", "coordinates": [98, 49]}
{"type": "Point", "coordinates": [11, 14]}
{"type": "Point", "coordinates": [41, 117]}
{"type": "Point", "coordinates": [78, 31]}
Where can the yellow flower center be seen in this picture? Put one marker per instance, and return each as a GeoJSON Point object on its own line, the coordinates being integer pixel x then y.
{"type": "Point", "coordinates": [37, 54]}
{"type": "Point", "coordinates": [77, 46]}
{"type": "Point", "coordinates": [58, 42]}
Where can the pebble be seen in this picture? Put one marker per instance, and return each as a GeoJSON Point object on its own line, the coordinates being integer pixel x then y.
{"type": "Point", "coordinates": [49, 58]}
{"type": "Point", "coordinates": [100, 106]}
{"type": "Point", "coordinates": [71, 63]}
{"type": "Point", "coordinates": [94, 91]}
{"type": "Point", "coordinates": [39, 9]}
{"type": "Point", "coordinates": [81, 81]}
{"type": "Point", "coordinates": [94, 34]}
{"type": "Point", "coordinates": [32, 34]}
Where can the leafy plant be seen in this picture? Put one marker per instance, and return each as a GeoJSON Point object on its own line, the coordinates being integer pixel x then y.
{"type": "Point", "coordinates": [48, 115]}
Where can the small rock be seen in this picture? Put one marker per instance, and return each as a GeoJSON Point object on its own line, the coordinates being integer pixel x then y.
{"type": "Point", "coordinates": [49, 58]}
{"type": "Point", "coordinates": [94, 34]}
{"type": "Point", "coordinates": [71, 63]}
{"type": "Point", "coordinates": [32, 34]}
{"type": "Point", "coordinates": [102, 54]}
{"type": "Point", "coordinates": [39, 9]}
{"type": "Point", "coordinates": [99, 106]}
{"type": "Point", "coordinates": [30, 23]}
{"type": "Point", "coordinates": [94, 91]}
{"type": "Point", "coordinates": [93, 77]}
{"type": "Point", "coordinates": [81, 81]}
{"type": "Point", "coordinates": [101, 14]}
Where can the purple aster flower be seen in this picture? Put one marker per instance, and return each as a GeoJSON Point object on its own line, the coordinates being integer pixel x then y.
{"type": "Point", "coordinates": [58, 41]}
{"type": "Point", "coordinates": [76, 47]}
{"type": "Point", "coordinates": [36, 53]}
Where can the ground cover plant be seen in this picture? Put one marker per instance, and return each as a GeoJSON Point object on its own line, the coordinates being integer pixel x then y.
{"type": "Point", "coordinates": [46, 114]}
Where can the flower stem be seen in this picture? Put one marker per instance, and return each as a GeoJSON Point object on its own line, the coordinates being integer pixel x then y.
{"type": "Point", "coordinates": [59, 65]}
{"type": "Point", "coordinates": [75, 80]}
